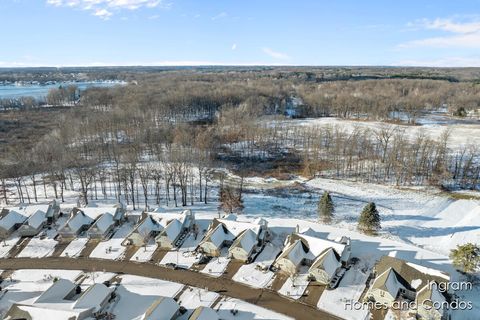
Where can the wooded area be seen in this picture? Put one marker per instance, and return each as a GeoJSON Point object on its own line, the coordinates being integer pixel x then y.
{"type": "Point", "coordinates": [166, 131]}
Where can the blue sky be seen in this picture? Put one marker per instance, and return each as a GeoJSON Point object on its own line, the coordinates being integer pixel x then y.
{"type": "Point", "coordinates": [239, 32]}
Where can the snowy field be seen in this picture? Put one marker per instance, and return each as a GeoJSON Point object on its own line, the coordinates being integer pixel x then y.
{"type": "Point", "coordinates": [294, 287]}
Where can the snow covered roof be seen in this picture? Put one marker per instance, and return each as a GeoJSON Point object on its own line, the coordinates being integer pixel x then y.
{"type": "Point", "coordinates": [295, 252]}
{"type": "Point", "coordinates": [12, 218]}
{"type": "Point", "coordinates": [237, 227]}
{"type": "Point", "coordinates": [317, 245]}
{"type": "Point", "coordinates": [204, 313]}
{"type": "Point", "coordinates": [430, 293]}
{"type": "Point", "coordinates": [37, 219]}
{"type": "Point", "coordinates": [172, 229]}
{"type": "Point", "coordinates": [246, 240]}
{"type": "Point", "coordinates": [164, 308]}
{"type": "Point", "coordinates": [327, 261]}
{"type": "Point", "coordinates": [57, 291]}
{"type": "Point", "coordinates": [103, 223]}
{"type": "Point", "coordinates": [93, 296]}
{"type": "Point", "coordinates": [218, 235]}
{"type": "Point", "coordinates": [148, 224]}
{"type": "Point", "coordinates": [388, 281]}
{"type": "Point", "coordinates": [43, 312]}
{"type": "Point", "coordinates": [78, 221]}
{"type": "Point", "coordinates": [95, 212]}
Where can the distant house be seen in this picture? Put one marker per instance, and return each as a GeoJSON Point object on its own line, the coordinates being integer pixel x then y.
{"type": "Point", "coordinates": [58, 302]}
{"type": "Point", "coordinates": [148, 227]}
{"type": "Point", "coordinates": [163, 308]}
{"type": "Point", "coordinates": [323, 257]}
{"type": "Point", "coordinates": [101, 227]}
{"type": "Point", "coordinates": [35, 216]}
{"type": "Point", "coordinates": [82, 218]}
{"type": "Point", "coordinates": [242, 238]}
{"type": "Point", "coordinates": [204, 313]}
{"type": "Point", "coordinates": [38, 220]}
{"type": "Point", "coordinates": [176, 230]}
{"type": "Point", "coordinates": [396, 280]}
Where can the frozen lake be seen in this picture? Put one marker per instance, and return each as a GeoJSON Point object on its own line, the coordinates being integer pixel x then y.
{"type": "Point", "coordinates": [38, 91]}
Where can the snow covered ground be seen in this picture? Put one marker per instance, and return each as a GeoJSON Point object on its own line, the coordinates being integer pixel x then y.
{"type": "Point", "coordinates": [75, 247]}
{"type": "Point", "coordinates": [185, 257]}
{"type": "Point", "coordinates": [8, 244]}
{"type": "Point", "coordinates": [350, 288]}
{"type": "Point", "coordinates": [38, 248]}
{"type": "Point", "coordinates": [217, 266]}
{"type": "Point", "coordinates": [246, 311]}
{"type": "Point", "coordinates": [192, 298]}
{"type": "Point", "coordinates": [252, 276]}
{"type": "Point", "coordinates": [144, 254]}
{"type": "Point", "coordinates": [294, 287]}
{"type": "Point", "coordinates": [112, 248]}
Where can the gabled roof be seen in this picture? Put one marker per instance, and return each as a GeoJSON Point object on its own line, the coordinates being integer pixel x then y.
{"type": "Point", "coordinates": [56, 292]}
{"type": "Point", "coordinates": [329, 261]}
{"type": "Point", "coordinates": [431, 294]}
{"type": "Point", "coordinates": [204, 313]}
{"type": "Point", "coordinates": [164, 308]}
{"type": "Point", "coordinates": [147, 225]}
{"type": "Point", "coordinates": [92, 297]}
{"type": "Point", "coordinates": [246, 240]}
{"type": "Point", "coordinates": [78, 220]}
{"type": "Point", "coordinates": [172, 229]}
{"type": "Point", "coordinates": [218, 235]}
{"type": "Point", "coordinates": [317, 245]}
{"type": "Point", "coordinates": [12, 218]}
{"type": "Point", "coordinates": [103, 223]}
{"type": "Point", "coordinates": [295, 252]}
{"type": "Point", "coordinates": [37, 219]}
{"type": "Point", "coordinates": [389, 281]}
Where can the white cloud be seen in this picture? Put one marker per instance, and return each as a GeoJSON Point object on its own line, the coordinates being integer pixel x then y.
{"type": "Point", "coordinates": [105, 8]}
{"type": "Point", "coordinates": [275, 54]}
{"type": "Point", "coordinates": [450, 62]}
{"type": "Point", "coordinates": [234, 46]}
{"type": "Point", "coordinates": [219, 16]}
{"type": "Point", "coordinates": [103, 14]}
{"type": "Point", "coordinates": [462, 34]}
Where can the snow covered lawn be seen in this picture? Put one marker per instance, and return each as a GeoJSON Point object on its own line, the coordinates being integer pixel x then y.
{"type": "Point", "coordinates": [112, 249]}
{"type": "Point", "coordinates": [144, 254]}
{"type": "Point", "coordinates": [251, 276]}
{"type": "Point", "coordinates": [38, 248]}
{"type": "Point", "coordinates": [74, 248]}
{"type": "Point", "coordinates": [295, 287]}
{"type": "Point", "coordinates": [246, 311]}
{"type": "Point", "coordinates": [8, 244]}
{"type": "Point", "coordinates": [192, 298]}
{"type": "Point", "coordinates": [217, 266]}
{"type": "Point", "coordinates": [350, 288]}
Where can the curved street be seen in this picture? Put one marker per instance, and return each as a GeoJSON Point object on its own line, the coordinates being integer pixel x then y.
{"type": "Point", "coordinates": [261, 297]}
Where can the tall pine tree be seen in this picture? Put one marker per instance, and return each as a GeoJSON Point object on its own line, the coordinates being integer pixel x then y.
{"type": "Point", "coordinates": [369, 221]}
{"type": "Point", "coordinates": [325, 208]}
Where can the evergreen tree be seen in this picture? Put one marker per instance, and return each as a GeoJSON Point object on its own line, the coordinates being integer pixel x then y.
{"type": "Point", "coordinates": [466, 257]}
{"type": "Point", "coordinates": [369, 220]}
{"type": "Point", "coordinates": [326, 208]}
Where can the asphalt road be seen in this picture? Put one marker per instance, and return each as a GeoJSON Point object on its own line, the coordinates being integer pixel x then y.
{"type": "Point", "coordinates": [225, 286]}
